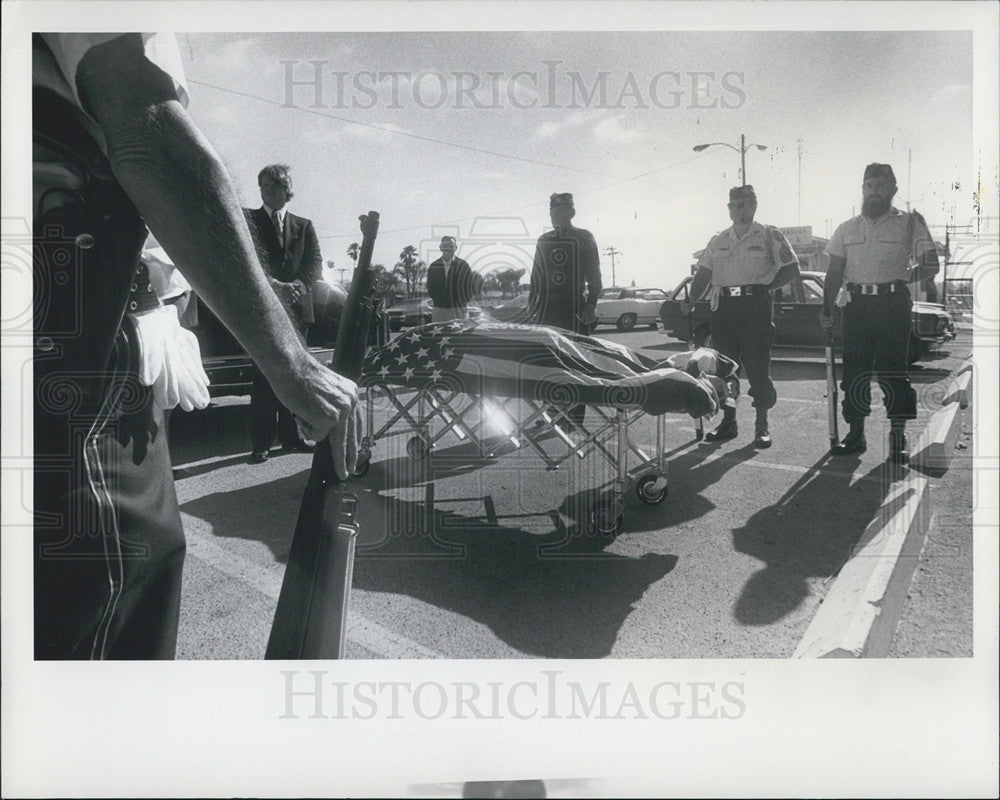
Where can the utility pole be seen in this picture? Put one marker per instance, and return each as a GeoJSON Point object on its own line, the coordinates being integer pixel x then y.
{"type": "Point", "coordinates": [799, 143]}
{"type": "Point", "coordinates": [612, 252]}
{"type": "Point", "coordinates": [341, 270]}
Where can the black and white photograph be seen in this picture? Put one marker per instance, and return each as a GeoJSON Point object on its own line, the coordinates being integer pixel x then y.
{"type": "Point", "coordinates": [516, 399]}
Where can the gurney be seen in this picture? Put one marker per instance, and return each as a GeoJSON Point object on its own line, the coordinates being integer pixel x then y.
{"type": "Point", "coordinates": [496, 386]}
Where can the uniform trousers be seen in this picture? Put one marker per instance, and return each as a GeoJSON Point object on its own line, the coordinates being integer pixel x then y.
{"type": "Point", "coordinates": [108, 542]}
{"type": "Point", "coordinates": [742, 328]}
{"type": "Point", "coordinates": [876, 337]}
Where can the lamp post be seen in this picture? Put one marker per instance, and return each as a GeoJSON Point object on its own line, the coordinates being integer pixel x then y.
{"type": "Point", "coordinates": [742, 150]}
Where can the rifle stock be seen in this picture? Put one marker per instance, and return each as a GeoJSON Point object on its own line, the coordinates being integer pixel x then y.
{"type": "Point", "coordinates": [310, 621]}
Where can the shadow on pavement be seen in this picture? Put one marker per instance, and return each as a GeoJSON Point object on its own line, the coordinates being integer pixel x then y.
{"type": "Point", "coordinates": [838, 506]}
{"type": "Point", "coordinates": [567, 603]}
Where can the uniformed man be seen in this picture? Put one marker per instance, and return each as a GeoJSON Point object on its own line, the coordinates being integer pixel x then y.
{"type": "Point", "coordinates": [744, 264]}
{"type": "Point", "coordinates": [870, 257]}
{"type": "Point", "coordinates": [567, 264]}
{"type": "Point", "coordinates": [114, 149]}
{"type": "Point", "coordinates": [565, 276]}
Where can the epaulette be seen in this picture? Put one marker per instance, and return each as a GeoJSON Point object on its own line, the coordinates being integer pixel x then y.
{"type": "Point", "coordinates": [918, 216]}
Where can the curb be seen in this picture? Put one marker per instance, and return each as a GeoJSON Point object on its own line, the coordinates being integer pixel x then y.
{"type": "Point", "coordinates": [936, 445]}
{"type": "Point", "coordinates": [858, 616]}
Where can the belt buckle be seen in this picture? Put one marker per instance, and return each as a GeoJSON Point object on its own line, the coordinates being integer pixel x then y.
{"type": "Point", "coordinates": [735, 291]}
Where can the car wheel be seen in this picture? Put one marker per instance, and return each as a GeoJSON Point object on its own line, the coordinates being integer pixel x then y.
{"type": "Point", "coordinates": [626, 322]}
{"type": "Point", "coordinates": [916, 350]}
{"type": "Point", "coordinates": [703, 336]}
{"type": "Point", "coordinates": [653, 326]}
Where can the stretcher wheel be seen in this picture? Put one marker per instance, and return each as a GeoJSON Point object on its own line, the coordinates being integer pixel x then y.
{"type": "Point", "coordinates": [417, 447]}
{"type": "Point", "coordinates": [652, 489]}
{"type": "Point", "coordinates": [364, 462]}
{"type": "Point", "coordinates": [608, 517]}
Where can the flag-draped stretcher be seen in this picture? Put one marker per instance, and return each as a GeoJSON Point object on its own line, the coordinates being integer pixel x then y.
{"type": "Point", "coordinates": [494, 385]}
{"type": "Point", "coordinates": [535, 362]}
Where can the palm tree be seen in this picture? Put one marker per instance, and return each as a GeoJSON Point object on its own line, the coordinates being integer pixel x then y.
{"type": "Point", "coordinates": [353, 251]}
{"type": "Point", "coordinates": [410, 268]}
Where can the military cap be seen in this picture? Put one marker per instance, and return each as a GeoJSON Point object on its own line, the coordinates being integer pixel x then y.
{"type": "Point", "coordinates": [447, 239]}
{"type": "Point", "coordinates": [878, 171]}
{"type": "Point", "coordinates": [561, 199]}
{"type": "Point", "coordinates": [741, 192]}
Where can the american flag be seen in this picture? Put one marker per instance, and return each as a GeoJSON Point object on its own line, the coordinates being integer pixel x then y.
{"type": "Point", "coordinates": [536, 362]}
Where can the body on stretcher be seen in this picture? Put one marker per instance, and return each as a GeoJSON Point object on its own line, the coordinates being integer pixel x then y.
{"type": "Point", "coordinates": [497, 387]}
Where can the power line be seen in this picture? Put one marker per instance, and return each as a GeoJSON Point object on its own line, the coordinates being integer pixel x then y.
{"type": "Point", "coordinates": [395, 132]}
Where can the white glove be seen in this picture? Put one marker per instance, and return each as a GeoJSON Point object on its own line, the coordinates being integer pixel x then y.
{"type": "Point", "coordinates": [170, 360]}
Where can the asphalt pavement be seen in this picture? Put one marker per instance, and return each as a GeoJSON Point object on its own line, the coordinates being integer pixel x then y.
{"type": "Point", "coordinates": [465, 557]}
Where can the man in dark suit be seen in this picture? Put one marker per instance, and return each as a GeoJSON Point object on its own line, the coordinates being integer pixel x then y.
{"type": "Point", "coordinates": [451, 284]}
{"type": "Point", "coordinates": [288, 249]}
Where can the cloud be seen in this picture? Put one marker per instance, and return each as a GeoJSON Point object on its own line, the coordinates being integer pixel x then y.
{"type": "Point", "coordinates": [548, 129]}
{"type": "Point", "coordinates": [612, 129]}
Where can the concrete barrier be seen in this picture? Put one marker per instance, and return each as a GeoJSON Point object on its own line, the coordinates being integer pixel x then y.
{"type": "Point", "coordinates": [933, 450]}
{"type": "Point", "coordinates": [859, 615]}
{"type": "Point", "coordinates": [959, 389]}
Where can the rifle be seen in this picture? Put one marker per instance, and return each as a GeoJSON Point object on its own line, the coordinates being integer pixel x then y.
{"type": "Point", "coordinates": [311, 618]}
{"type": "Point", "coordinates": [831, 389]}
{"type": "Point", "coordinates": [699, 433]}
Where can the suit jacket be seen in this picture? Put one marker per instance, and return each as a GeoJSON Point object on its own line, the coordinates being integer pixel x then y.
{"type": "Point", "coordinates": [298, 259]}
{"type": "Point", "coordinates": [455, 291]}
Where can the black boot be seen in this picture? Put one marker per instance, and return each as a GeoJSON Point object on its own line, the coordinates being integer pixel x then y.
{"type": "Point", "coordinates": [727, 430]}
{"type": "Point", "coordinates": [854, 442]}
{"type": "Point", "coordinates": [897, 444]}
{"type": "Point", "coordinates": [762, 436]}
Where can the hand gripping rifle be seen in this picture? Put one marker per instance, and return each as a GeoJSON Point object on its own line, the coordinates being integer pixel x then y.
{"type": "Point", "coordinates": [831, 388]}
{"type": "Point", "coordinates": [310, 621]}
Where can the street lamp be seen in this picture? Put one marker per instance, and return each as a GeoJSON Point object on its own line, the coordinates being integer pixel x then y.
{"type": "Point", "coordinates": [742, 150]}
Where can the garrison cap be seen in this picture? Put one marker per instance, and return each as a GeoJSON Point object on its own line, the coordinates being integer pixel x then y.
{"type": "Point", "coordinates": [878, 171]}
{"type": "Point", "coordinates": [561, 199]}
{"type": "Point", "coordinates": [742, 192]}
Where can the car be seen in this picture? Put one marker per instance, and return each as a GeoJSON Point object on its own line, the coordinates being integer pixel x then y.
{"type": "Point", "coordinates": [410, 312]}
{"type": "Point", "coordinates": [627, 307]}
{"type": "Point", "coordinates": [230, 370]}
{"type": "Point", "coordinates": [513, 310]}
{"type": "Point", "coordinates": [796, 318]}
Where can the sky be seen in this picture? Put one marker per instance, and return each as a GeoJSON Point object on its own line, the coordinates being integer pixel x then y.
{"type": "Point", "coordinates": [468, 133]}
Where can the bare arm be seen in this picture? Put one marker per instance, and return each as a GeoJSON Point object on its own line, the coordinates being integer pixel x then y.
{"type": "Point", "coordinates": [834, 280]}
{"type": "Point", "coordinates": [699, 284]}
{"type": "Point", "coordinates": [785, 274]}
{"type": "Point", "coordinates": [182, 190]}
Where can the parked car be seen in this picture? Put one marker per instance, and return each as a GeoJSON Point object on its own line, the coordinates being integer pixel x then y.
{"type": "Point", "coordinates": [410, 312]}
{"type": "Point", "coordinates": [230, 369]}
{"type": "Point", "coordinates": [627, 307]}
{"type": "Point", "coordinates": [796, 318]}
{"type": "Point", "coordinates": [513, 310]}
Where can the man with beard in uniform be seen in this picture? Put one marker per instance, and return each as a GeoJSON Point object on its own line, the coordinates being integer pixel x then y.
{"type": "Point", "coordinates": [567, 264]}
{"type": "Point", "coordinates": [744, 264]}
{"type": "Point", "coordinates": [870, 258]}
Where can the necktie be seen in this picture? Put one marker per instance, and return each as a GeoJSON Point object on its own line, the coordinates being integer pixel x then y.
{"type": "Point", "coordinates": [277, 226]}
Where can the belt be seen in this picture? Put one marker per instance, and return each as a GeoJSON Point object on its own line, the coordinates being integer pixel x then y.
{"type": "Point", "coordinates": [743, 291]}
{"type": "Point", "coordinates": [875, 288]}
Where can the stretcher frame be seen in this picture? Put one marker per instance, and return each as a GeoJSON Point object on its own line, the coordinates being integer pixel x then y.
{"type": "Point", "coordinates": [432, 413]}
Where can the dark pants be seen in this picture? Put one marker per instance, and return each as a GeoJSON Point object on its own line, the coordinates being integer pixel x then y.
{"type": "Point", "coordinates": [562, 312]}
{"type": "Point", "coordinates": [268, 417]}
{"type": "Point", "coordinates": [876, 337]}
{"type": "Point", "coordinates": [109, 547]}
{"type": "Point", "coordinates": [741, 329]}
